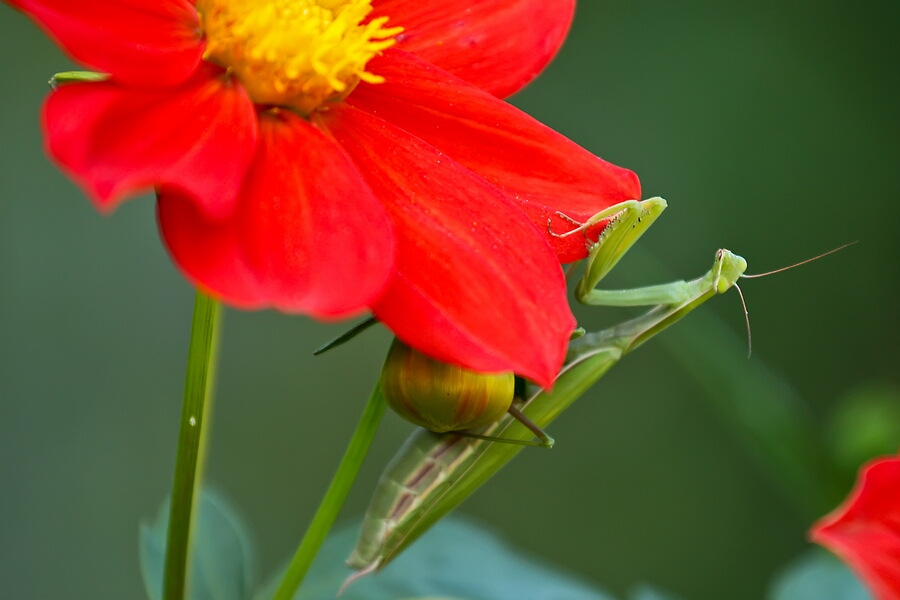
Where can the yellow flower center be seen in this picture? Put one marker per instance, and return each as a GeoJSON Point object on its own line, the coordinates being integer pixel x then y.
{"type": "Point", "coordinates": [294, 53]}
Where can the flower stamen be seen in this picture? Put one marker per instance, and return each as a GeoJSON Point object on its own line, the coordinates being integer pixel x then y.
{"type": "Point", "coordinates": [294, 53]}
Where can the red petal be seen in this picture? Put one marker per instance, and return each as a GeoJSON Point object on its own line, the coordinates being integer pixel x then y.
{"type": "Point", "coordinates": [544, 171]}
{"type": "Point", "coordinates": [498, 45]}
{"type": "Point", "coordinates": [476, 285]}
{"type": "Point", "coordinates": [207, 251]}
{"type": "Point", "coordinates": [865, 530]}
{"type": "Point", "coordinates": [141, 43]}
{"type": "Point", "coordinates": [116, 141]}
{"type": "Point", "coordinates": [308, 235]}
{"type": "Point", "coordinates": [315, 234]}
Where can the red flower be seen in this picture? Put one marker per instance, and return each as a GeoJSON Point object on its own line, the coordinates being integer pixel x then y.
{"type": "Point", "coordinates": [865, 529]}
{"type": "Point", "coordinates": [309, 156]}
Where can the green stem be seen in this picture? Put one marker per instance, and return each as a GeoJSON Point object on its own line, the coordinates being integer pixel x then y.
{"type": "Point", "coordinates": [189, 461]}
{"type": "Point", "coordinates": [334, 497]}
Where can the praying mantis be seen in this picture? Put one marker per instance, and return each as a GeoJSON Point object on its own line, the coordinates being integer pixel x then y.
{"type": "Point", "coordinates": [432, 473]}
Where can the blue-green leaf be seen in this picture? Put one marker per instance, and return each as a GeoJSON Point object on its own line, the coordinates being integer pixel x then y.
{"type": "Point", "coordinates": [648, 592]}
{"type": "Point", "coordinates": [454, 560]}
{"type": "Point", "coordinates": [152, 544]}
{"type": "Point", "coordinates": [818, 575]}
{"type": "Point", "coordinates": [222, 554]}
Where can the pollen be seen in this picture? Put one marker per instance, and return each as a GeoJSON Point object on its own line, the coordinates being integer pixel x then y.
{"type": "Point", "coordinates": [294, 53]}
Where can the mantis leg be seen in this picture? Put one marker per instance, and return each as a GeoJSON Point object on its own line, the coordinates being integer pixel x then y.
{"type": "Point", "coordinates": [544, 440]}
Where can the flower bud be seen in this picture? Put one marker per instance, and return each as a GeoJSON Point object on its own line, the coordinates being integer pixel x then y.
{"type": "Point", "coordinates": [440, 396]}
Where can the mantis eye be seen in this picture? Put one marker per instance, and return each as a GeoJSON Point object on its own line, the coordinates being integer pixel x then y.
{"type": "Point", "coordinates": [440, 396]}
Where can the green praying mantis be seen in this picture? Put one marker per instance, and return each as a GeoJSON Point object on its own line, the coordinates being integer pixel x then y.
{"type": "Point", "coordinates": [433, 472]}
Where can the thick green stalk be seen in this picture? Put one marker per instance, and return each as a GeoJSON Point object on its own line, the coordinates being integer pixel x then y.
{"type": "Point", "coordinates": [334, 497]}
{"type": "Point", "coordinates": [189, 460]}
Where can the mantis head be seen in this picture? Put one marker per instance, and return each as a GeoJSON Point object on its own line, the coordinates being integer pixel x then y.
{"type": "Point", "coordinates": [727, 269]}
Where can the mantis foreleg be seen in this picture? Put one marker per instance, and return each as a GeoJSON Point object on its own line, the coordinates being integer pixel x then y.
{"type": "Point", "coordinates": [627, 222]}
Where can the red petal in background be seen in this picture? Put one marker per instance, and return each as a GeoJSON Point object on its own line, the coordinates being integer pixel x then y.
{"type": "Point", "coordinates": [544, 171]}
{"type": "Point", "coordinates": [308, 235]}
{"type": "Point", "coordinates": [498, 45]}
{"type": "Point", "coordinates": [116, 141]}
{"type": "Point", "coordinates": [865, 530]}
{"type": "Point", "coordinates": [148, 44]}
{"type": "Point", "coordinates": [477, 285]}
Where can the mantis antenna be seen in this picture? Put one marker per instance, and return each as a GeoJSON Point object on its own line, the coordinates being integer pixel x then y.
{"type": "Point", "coordinates": [802, 262]}
{"type": "Point", "coordinates": [787, 268]}
{"type": "Point", "coordinates": [746, 320]}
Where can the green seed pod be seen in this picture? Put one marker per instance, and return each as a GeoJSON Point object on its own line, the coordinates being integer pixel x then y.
{"type": "Point", "coordinates": [442, 397]}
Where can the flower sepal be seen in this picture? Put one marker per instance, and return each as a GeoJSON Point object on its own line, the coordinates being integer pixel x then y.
{"type": "Point", "coordinates": [76, 77]}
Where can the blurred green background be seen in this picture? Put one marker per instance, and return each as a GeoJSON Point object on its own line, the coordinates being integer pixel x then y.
{"type": "Point", "coordinates": [772, 129]}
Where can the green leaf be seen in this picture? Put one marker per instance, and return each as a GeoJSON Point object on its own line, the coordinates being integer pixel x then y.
{"type": "Point", "coordinates": [818, 575]}
{"type": "Point", "coordinates": [864, 424]}
{"type": "Point", "coordinates": [454, 560]}
{"type": "Point", "coordinates": [222, 554]}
